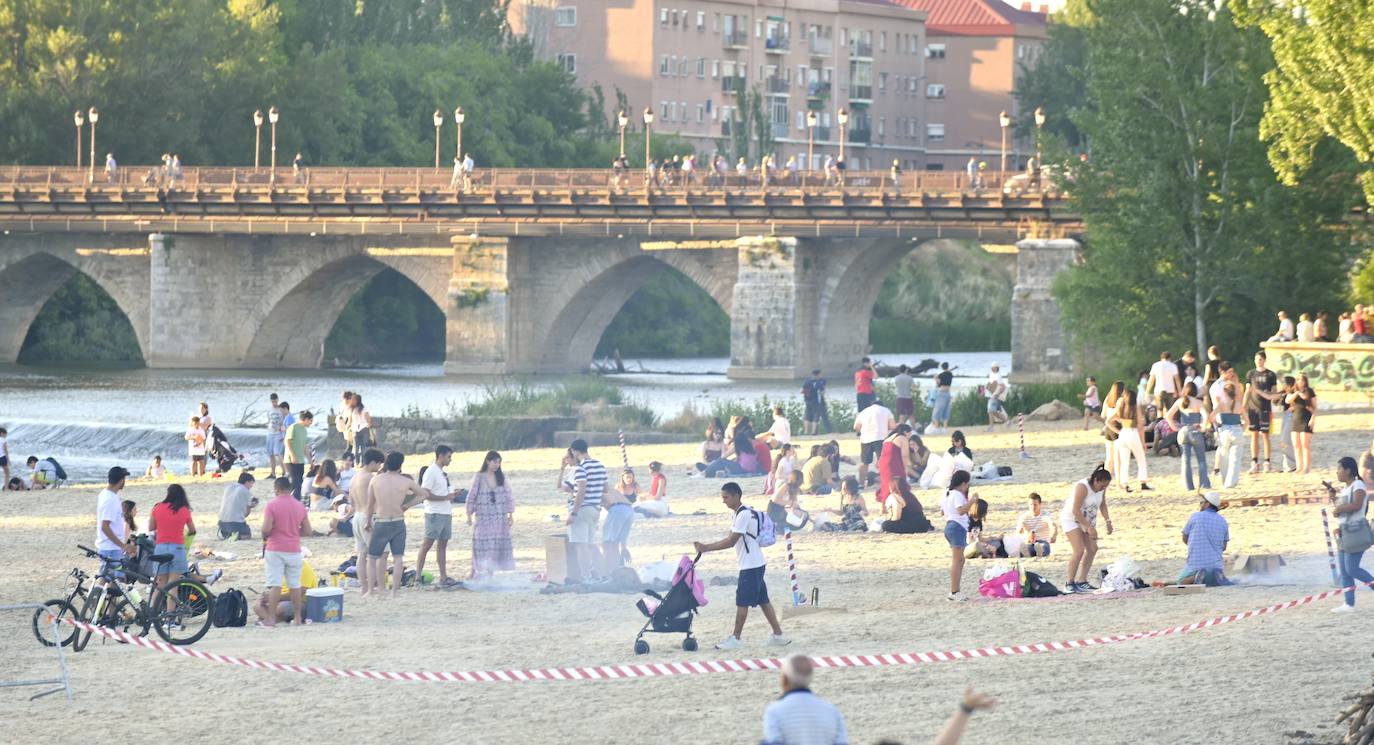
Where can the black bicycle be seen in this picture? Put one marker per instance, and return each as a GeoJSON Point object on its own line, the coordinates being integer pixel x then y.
{"type": "Point", "coordinates": [59, 610]}
{"type": "Point", "coordinates": [181, 612]}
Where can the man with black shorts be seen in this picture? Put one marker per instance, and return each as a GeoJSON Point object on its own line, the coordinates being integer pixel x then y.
{"type": "Point", "coordinates": [813, 394]}
{"type": "Point", "coordinates": [750, 590]}
{"type": "Point", "coordinates": [906, 408]}
{"type": "Point", "coordinates": [864, 393]}
{"type": "Point", "coordinates": [873, 424]}
{"type": "Point", "coordinates": [1259, 407]}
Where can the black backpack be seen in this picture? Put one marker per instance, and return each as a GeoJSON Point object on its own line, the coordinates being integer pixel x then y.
{"type": "Point", "coordinates": [1038, 587]}
{"type": "Point", "coordinates": [231, 609]}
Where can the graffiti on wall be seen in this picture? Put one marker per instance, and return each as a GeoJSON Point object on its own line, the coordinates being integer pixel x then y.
{"type": "Point", "coordinates": [1337, 370]}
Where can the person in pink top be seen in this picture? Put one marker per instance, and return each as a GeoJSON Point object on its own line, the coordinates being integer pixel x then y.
{"type": "Point", "coordinates": [284, 521]}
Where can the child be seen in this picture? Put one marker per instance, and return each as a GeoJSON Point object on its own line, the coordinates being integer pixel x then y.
{"type": "Point", "coordinates": [156, 471]}
{"type": "Point", "coordinates": [655, 503]}
{"type": "Point", "coordinates": [751, 590]}
{"type": "Point", "coordinates": [195, 446]}
{"type": "Point", "coordinates": [853, 511]}
{"type": "Point", "coordinates": [130, 512]}
{"type": "Point", "coordinates": [1092, 403]}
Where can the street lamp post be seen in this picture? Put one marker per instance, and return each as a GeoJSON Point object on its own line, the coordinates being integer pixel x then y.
{"type": "Point", "coordinates": [257, 138]}
{"type": "Point", "coordinates": [94, 116]}
{"type": "Point", "coordinates": [648, 125]}
{"type": "Point", "coordinates": [438, 122]}
{"type": "Point", "coordinates": [843, 118]}
{"type": "Point", "coordinates": [272, 117]}
{"type": "Point", "coordinates": [458, 118]}
{"type": "Point", "coordinates": [1039, 122]}
{"type": "Point", "coordinates": [1004, 120]}
{"type": "Point", "coordinates": [810, 138]}
{"type": "Point", "coordinates": [623, 121]}
{"type": "Point", "coordinates": [80, 118]}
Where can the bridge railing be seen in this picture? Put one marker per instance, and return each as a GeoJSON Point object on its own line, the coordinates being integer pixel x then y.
{"type": "Point", "coordinates": [513, 179]}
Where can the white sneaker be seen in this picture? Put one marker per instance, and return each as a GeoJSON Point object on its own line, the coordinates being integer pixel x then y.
{"type": "Point", "coordinates": [1343, 608]}
{"type": "Point", "coordinates": [729, 642]}
{"type": "Point", "coordinates": [778, 640]}
{"type": "Point", "coordinates": [957, 597]}
{"type": "Point", "coordinates": [214, 576]}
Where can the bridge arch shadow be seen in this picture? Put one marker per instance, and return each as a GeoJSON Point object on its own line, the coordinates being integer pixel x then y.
{"type": "Point", "coordinates": [28, 283]}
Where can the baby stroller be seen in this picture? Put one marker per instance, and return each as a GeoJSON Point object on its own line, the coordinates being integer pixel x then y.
{"type": "Point", "coordinates": [222, 452]}
{"type": "Point", "coordinates": [672, 613]}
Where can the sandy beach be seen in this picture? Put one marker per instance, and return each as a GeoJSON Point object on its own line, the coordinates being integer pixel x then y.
{"type": "Point", "coordinates": [1265, 680]}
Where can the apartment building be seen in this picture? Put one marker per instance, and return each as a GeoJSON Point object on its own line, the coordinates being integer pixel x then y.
{"type": "Point", "coordinates": [974, 54]}
{"type": "Point", "coordinates": [691, 61]}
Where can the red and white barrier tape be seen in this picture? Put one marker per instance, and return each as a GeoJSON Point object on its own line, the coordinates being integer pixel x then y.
{"type": "Point", "coordinates": [667, 669]}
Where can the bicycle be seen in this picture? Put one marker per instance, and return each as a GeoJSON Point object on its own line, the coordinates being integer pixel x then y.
{"type": "Point", "coordinates": [59, 609]}
{"type": "Point", "coordinates": [181, 612]}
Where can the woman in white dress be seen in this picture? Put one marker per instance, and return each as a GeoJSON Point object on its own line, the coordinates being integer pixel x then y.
{"type": "Point", "coordinates": [1079, 521]}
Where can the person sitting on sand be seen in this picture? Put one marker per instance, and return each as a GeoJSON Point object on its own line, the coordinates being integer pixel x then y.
{"type": "Point", "coordinates": [654, 503]}
{"type": "Point", "coordinates": [832, 453]}
{"type": "Point", "coordinates": [783, 466]}
{"type": "Point", "coordinates": [784, 509]}
{"type": "Point", "coordinates": [324, 486]}
{"type": "Point", "coordinates": [342, 521]}
{"type": "Point", "coordinates": [156, 471]}
{"type": "Point", "coordinates": [1036, 530]}
{"type": "Point", "coordinates": [1206, 535]}
{"type": "Point", "coordinates": [853, 514]}
{"type": "Point", "coordinates": [816, 473]}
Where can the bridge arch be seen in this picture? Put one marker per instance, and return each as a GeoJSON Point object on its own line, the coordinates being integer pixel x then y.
{"type": "Point", "coordinates": [28, 280]}
{"type": "Point", "coordinates": [575, 315]}
{"type": "Point", "coordinates": [291, 324]}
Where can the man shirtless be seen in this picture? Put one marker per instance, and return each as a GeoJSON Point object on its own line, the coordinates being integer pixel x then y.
{"type": "Point", "coordinates": [388, 496]}
{"type": "Point", "coordinates": [362, 532]}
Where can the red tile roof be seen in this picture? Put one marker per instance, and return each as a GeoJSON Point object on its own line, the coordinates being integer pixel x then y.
{"type": "Point", "coordinates": [973, 17]}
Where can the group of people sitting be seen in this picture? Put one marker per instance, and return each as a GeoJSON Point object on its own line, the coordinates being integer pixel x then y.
{"type": "Point", "coordinates": [1353, 327]}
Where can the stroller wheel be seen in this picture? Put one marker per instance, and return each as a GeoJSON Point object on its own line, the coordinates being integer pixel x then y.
{"type": "Point", "coordinates": [689, 644]}
{"type": "Point", "coordinates": [641, 646]}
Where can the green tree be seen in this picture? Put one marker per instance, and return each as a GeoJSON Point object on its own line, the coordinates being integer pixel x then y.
{"type": "Point", "coordinates": [1322, 83]}
{"type": "Point", "coordinates": [1191, 239]}
{"type": "Point", "coordinates": [669, 316]}
{"type": "Point", "coordinates": [80, 323]}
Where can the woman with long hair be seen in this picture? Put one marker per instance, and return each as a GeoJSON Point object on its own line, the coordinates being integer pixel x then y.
{"type": "Point", "coordinates": [1185, 416]}
{"type": "Point", "coordinates": [1352, 507]}
{"type": "Point", "coordinates": [360, 420]}
{"type": "Point", "coordinates": [491, 512]}
{"type": "Point", "coordinates": [955, 506]}
{"type": "Point", "coordinates": [1130, 419]}
{"type": "Point", "coordinates": [1303, 403]}
{"type": "Point", "coordinates": [892, 462]}
{"type": "Point", "coordinates": [1079, 522]}
{"type": "Point", "coordinates": [324, 486]}
{"type": "Point", "coordinates": [1226, 415]}
{"type": "Point", "coordinates": [171, 524]}
{"type": "Point", "coordinates": [1109, 431]}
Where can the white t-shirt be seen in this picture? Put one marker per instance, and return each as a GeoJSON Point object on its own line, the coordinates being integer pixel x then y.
{"type": "Point", "coordinates": [108, 507]}
{"type": "Point", "coordinates": [1164, 373]}
{"type": "Point", "coordinates": [950, 504]}
{"type": "Point", "coordinates": [747, 548]}
{"type": "Point", "coordinates": [1306, 331]}
{"type": "Point", "coordinates": [1092, 501]}
{"type": "Point", "coordinates": [781, 430]}
{"type": "Point", "coordinates": [358, 419]}
{"type": "Point", "coordinates": [1218, 391]}
{"type": "Point", "coordinates": [875, 423]}
{"type": "Point", "coordinates": [436, 481]}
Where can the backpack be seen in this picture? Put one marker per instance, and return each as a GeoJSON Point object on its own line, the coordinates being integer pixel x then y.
{"type": "Point", "coordinates": [1036, 586]}
{"type": "Point", "coordinates": [57, 469]}
{"type": "Point", "coordinates": [230, 609]}
{"type": "Point", "coordinates": [767, 534]}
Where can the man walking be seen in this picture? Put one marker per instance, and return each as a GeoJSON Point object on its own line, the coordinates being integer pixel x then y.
{"type": "Point", "coordinates": [584, 508]}
{"type": "Point", "coordinates": [1259, 409]}
{"type": "Point", "coordinates": [800, 717]}
{"type": "Point", "coordinates": [813, 394]}
{"type": "Point", "coordinates": [438, 515]}
{"type": "Point", "coordinates": [863, 385]}
{"type": "Point", "coordinates": [298, 450]}
{"type": "Point", "coordinates": [751, 591]}
{"type": "Point", "coordinates": [390, 494]}
{"type": "Point", "coordinates": [1164, 384]}
{"type": "Point", "coordinates": [284, 521]}
{"type": "Point", "coordinates": [906, 407]}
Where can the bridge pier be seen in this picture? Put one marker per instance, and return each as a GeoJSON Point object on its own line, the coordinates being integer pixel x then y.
{"type": "Point", "coordinates": [477, 310]}
{"type": "Point", "coordinates": [1039, 343]}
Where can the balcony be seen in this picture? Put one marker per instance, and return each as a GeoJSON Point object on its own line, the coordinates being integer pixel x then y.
{"type": "Point", "coordinates": [861, 49]}
{"type": "Point", "coordinates": [732, 84]}
{"type": "Point", "coordinates": [777, 86]}
{"type": "Point", "coordinates": [818, 90]}
{"type": "Point", "coordinates": [820, 134]}
{"type": "Point", "coordinates": [777, 44]}
{"type": "Point", "coordinates": [861, 93]}
{"type": "Point", "coordinates": [821, 46]}
{"type": "Point", "coordinates": [860, 136]}
{"type": "Point", "coordinates": [735, 39]}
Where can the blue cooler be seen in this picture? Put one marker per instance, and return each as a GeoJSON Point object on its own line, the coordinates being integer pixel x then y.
{"type": "Point", "coordinates": [324, 604]}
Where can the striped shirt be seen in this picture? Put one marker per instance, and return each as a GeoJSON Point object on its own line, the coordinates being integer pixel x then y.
{"type": "Point", "coordinates": [593, 474]}
{"type": "Point", "coordinates": [801, 717]}
{"type": "Point", "coordinates": [1037, 524]}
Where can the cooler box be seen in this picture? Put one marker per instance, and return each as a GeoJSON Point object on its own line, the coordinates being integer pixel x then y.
{"type": "Point", "coordinates": [560, 559]}
{"type": "Point", "coordinates": [324, 604]}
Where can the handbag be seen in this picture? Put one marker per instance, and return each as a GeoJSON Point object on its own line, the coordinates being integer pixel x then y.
{"type": "Point", "coordinates": [1110, 433]}
{"type": "Point", "coordinates": [1356, 536]}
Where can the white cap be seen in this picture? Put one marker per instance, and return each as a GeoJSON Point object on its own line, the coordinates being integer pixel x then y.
{"type": "Point", "coordinates": [1213, 498]}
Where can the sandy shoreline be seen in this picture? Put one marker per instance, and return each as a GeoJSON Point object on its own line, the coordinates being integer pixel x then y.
{"type": "Point", "coordinates": [1252, 681]}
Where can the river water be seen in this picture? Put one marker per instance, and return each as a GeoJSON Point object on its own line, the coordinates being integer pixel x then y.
{"type": "Point", "coordinates": [91, 419]}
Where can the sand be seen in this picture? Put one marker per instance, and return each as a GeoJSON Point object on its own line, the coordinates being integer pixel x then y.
{"type": "Point", "coordinates": [1255, 681]}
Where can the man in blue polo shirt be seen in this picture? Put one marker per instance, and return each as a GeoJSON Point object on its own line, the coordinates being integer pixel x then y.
{"type": "Point", "coordinates": [751, 591]}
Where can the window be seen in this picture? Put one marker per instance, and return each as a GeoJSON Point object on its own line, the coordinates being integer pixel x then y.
{"type": "Point", "coordinates": [672, 64]}
{"type": "Point", "coordinates": [801, 121]}
{"type": "Point", "coordinates": [701, 113]}
{"type": "Point", "coordinates": [935, 132]}
{"type": "Point", "coordinates": [935, 51]}
{"type": "Point", "coordinates": [1020, 51]}
{"type": "Point", "coordinates": [701, 67]}
{"type": "Point", "coordinates": [882, 126]}
{"type": "Point", "coordinates": [882, 41]}
{"type": "Point", "coordinates": [715, 23]}
{"type": "Point", "coordinates": [565, 17]}
{"type": "Point", "coordinates": [663, 65]}
{"type": "Point", "coordinates": [911, 84]}
{"type": "Point", "coordinates": [715, 69]}
{"type": "Point", "coordinates": [882, 82]}
{"type": "Point", "coordinates": [674, 16]}
{"type": "Point", "coordinates": [663, 110]}
{"type": "Point", "coordinates": [568, 62]}
{"type": "Point", "coordinates": [684, 67]}
{"type": "Point", "coordinates": [663, 17]}
{"type": "Point", "coordinates": [935, 90]}
{"type": "Point", "coordinates": [701, 20]}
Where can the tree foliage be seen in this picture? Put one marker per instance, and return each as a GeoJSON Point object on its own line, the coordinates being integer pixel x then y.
{"type": "Point", "coordinates": [80, 323]}
{"type": "Point", "coordinates": [1322, 84]}
{"type": "Point", "coordinates": [388, 320]}
{"type": "Point", "coordinates": [1191, 239]}
{"type": "Point", "coordinates": [669, 316]}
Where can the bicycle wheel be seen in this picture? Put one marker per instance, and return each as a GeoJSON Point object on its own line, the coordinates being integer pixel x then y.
{"type": "Point", "coordinates": [182, 611]}
{"type": "Point", "coordinates": [94, 606]}
{"type": "Point", "coordinates": [123, 615]}
{"type": "Point", "coordinates": [58, 610]}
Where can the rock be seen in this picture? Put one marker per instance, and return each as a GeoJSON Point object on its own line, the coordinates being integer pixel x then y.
{"type": "Point", "coordinates": [1054, 411]}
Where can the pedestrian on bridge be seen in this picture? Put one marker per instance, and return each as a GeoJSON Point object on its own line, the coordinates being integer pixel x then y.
{"type": "Point", "coordinates": [298, 168]}
{"type": "Point", "coordinates": [111, 167]}
{"type": "Point", "coordinates": [468, 165]}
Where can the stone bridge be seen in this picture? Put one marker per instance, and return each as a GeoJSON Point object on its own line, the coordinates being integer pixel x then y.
{"type": "Point", "coordinates": [247, 274]}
